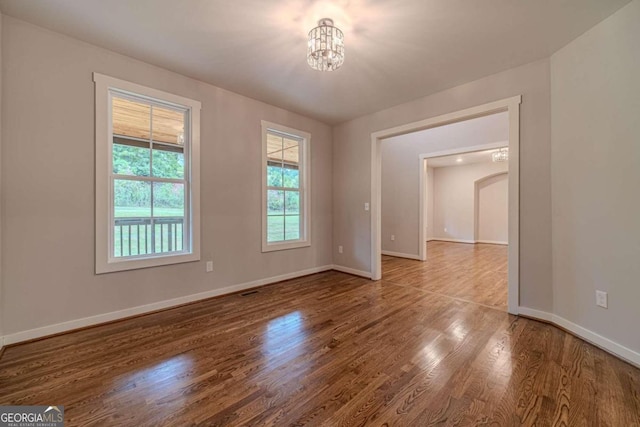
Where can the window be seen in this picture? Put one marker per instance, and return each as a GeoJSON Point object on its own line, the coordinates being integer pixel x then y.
{"type": "Point", "coordinates": [147, 177]}
{"type": "Point", "coordinates": [285, 187]}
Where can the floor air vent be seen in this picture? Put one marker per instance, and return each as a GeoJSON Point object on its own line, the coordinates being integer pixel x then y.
{"type": "Point", "coordinates": [248, 293]}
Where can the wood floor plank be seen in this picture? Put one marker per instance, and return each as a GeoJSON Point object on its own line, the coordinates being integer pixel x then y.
{"type": "Point", "coordinates": [430, 344]}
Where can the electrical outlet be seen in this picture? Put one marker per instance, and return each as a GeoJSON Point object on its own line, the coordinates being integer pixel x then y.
{"type": "Point", "coordinates": [601, 299]}
{"type": "Point", "coordinates": [209, 266]}
{"type": "Point", "coordinates": [393, 237]}
{"type": "Point", "coordinates": [340, 249]}
{"type": "Point", "coordinates": [366, 206]}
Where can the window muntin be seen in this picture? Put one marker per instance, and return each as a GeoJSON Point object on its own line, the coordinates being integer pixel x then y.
{"type": "Point", "coordinates": [285, 166]}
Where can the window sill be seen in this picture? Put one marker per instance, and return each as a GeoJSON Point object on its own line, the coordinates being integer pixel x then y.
{"type": "Point", "coordinates": [271, 247]}
{"type": "Point", "coordinates": [134, 264]}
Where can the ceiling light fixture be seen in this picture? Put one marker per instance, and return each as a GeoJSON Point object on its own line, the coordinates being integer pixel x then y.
{"type": "Point", "coordinates": [325, 51]}
{"type": "Point", "coordinates": [501, 155]}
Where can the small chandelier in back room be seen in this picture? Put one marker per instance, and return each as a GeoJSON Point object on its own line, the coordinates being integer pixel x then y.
{"type": "Point", "coordinates": [501, 155]}
{"type": "Point", "coordinates": [325, 51]}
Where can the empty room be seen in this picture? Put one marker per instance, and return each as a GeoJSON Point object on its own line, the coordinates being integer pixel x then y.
{"type": "Point", "coordinates": [319, 212]}
{"type": "Point", "coordinates": [444, 210]}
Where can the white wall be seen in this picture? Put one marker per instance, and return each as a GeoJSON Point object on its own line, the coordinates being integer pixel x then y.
{"type": "Point", "coordinates": [492, 211]}
{"type": "Point", "coordinates": [48, 185]}
{"type": "Point", "coordinates": [351, 164]}
{"type": "Point", "coordinates": [455, 197]}
{"type": "Point", "coordinates": [400, 184]}
{"type": "Point", "coordinates": [595, 93]}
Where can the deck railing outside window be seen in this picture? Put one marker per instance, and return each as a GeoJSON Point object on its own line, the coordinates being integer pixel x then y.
{"type": "Point", "coordinates": [132, 236]}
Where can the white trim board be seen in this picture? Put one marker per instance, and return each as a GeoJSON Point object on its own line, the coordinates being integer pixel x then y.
{"type": "Point", "coordinates": [353, 271]}
{"type": "Point", "coordinates": [618, 350]}
{"type": "Point", "coordinates": [444, 239]}
{"type": "Point", "coordinates": [70, 325]}
{"type": "Point", "coordinates": [401, 255]}
{"type": "Point", "coordinates": [492, 242]}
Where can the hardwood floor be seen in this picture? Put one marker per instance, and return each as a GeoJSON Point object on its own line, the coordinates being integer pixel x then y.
{"type": "Point", "coordinates": [328, 349]}
{"type": "Point", "coordinates": [476, 273]}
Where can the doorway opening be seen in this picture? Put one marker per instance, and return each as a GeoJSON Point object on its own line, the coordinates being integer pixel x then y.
{"type": "Point", "coordinates": [465, 219]}
{"type": "Point", "coordinates": [396, 138]}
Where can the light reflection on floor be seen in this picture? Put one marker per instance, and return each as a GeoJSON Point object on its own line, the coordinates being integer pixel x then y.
{"type": "Point", "coordinates": [172, 374]}
{"type": "Point", "coordinates": [284, 338]}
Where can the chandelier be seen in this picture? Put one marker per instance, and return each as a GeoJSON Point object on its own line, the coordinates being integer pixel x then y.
{"type": "Point", "coordinates": [501, 155]}
{"type": "Point", "coordinates": [325, 51]}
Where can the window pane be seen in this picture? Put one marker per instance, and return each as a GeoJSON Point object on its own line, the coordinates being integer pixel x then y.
{"type": "Point", "coordinates": [275, 228]}
{"type": "Point", "coordinates": [130, 118]}
{"type": "Point", "coordinates": [291, 160]}
{"type": "Point", "coordinates": [168, 163]}
{"type": "Point", "coordinates": [275, 202]}
{"type": "Point", "coordinates": [291, 153]}
{"type": "Point", "coordinates": [168, 199]}
{"type": "Point", "coordinates": [292, 202]}
{"type": "Point", "coordinates": [274, 176]}
{"type": "Point", "coordinates": [168, 126]}
{"type": "Point", "coordinates": [168, 213]}
{"type": "Point", "coordinates": [132, 212]}
{"type": "Point", "coordinates": [130, 159]}
{"type": "Point", "coordinates": [291, 177]}
{"type": "Point", "coordinates": [274, 148]}
{"type": "Point", "coordinates": [132, 199]}
{"type": "Point", "coordinates": [292, 227]}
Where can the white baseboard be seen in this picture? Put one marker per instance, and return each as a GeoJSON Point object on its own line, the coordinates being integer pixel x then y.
{"type": "Point", "coordinates": [492, 242]}
{"type": "Point", "coordinates": [442, 239]}
{"type": "Point", "coordinates": [401, 255]}
{"type": "Point", "coordinates": [536, 314]}
{"type": "Point", "coordinates": [353, 271]}
{"type": "Point", "coordinates": [142, 309]}
{"type": "Point", "coordinates": [631, 356]}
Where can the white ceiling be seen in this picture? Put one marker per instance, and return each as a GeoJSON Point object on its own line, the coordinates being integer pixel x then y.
{"type": "Point", "coordinates": [465, 159]}
{"type": "Point", "coordinates": [396, 50]}
{"type": "Point", "coordinates": [491, 129]}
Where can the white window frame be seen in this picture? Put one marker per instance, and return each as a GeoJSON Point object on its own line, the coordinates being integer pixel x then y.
{"type": "Point", "coordinates": [305, 193]}
{"type": "Point", "coordinates": [105, 86]}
